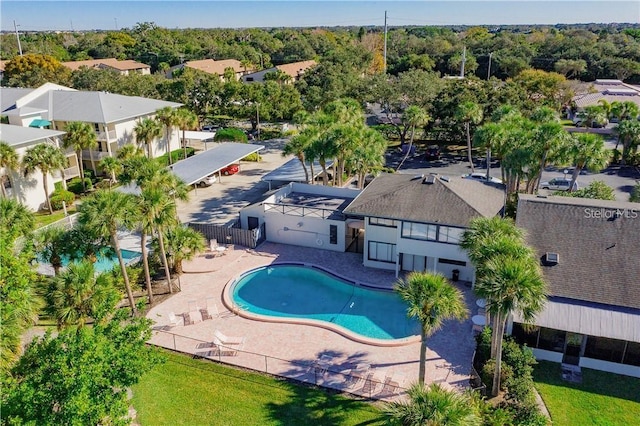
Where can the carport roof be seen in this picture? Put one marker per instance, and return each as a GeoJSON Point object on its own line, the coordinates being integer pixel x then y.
{"type": "Point", "coordinates": [194, 168]}
{"type": "Point", "coordinates": [292, 171]}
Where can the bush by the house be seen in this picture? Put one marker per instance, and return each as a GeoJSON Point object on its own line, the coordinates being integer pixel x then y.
{"type": "Point", "coordinates": [176, 156]}
{"type": "Point", "coordinates": [59, 196]}
{"type": "Point", "coordinates": [75, 185]}
{"type": "Point", "coordinates": [270, 133]}
{"type": "Point", "coordinates": [255, 157]}
{"type": "Point", "coordinates": [230, 134]}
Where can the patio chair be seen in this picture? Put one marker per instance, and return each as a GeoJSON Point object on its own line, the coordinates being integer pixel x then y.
{"type": "Point", "coordinates": [192, 317]}
{"type": "Point", "coordinates": [322, 364]}
{"type": "Point", "coordinates": [389, 387]}
{"type": "Point", "coordinates": [370, 384]}
{"type": "Point", "coordinates": [213, 244]}
{"type": "Point", "coordinates": [174, 320]}
{"type": "Point", "coordinates": [228, 340]}
{"type": "Point", "coordinates": [356, 374]}
{"type": "Point", "coordinates": [210, 310]}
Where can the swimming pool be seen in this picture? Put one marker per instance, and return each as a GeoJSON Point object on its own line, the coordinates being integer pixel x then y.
{"type": "Point", "coordinates": [294, 292]}
{"type": "Point", "coordinates": [106, 262]}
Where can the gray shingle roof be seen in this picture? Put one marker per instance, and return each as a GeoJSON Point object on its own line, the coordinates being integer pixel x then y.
{"type": "Point", "coordinates": [17, 135]}
{"type": "Point", "coordinates": [403, 197]}
{"type": "Point", "coordinates": [89, 107]}
{"type": "Point", "coordinates": [598, 252]}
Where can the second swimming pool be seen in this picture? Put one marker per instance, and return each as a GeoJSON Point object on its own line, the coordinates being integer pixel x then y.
{"type": "Point", "coordinates": [292, 291]}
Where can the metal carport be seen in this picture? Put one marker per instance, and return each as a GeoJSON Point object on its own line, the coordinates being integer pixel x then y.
{"type": "Point", "coordinates": [205, 163]}
{"type": "Point", "coordinates": [292, 171]}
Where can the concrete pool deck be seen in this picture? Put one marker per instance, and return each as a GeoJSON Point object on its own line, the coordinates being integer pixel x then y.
{"type": "Point", "coordinates": [290, 350]}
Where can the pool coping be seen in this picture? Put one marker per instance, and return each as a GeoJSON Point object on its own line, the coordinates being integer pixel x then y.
{"type": "Point", "coordinates": [231, 305]}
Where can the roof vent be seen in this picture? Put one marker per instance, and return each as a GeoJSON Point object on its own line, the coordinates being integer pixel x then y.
{"type": "Point", "coordinates": [444, 178]}
{"type": "Point", "coordinates": [551, 258]}
{"type": "Point", "coordinates": [429, 180]}
{"type": "Point", "coordinates": [416, 177]}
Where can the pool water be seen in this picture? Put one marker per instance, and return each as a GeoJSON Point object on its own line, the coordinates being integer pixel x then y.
{"type": "Point", "coordinates": [106, 262]}
{"type": "Point", "coordinates": [303, 292]}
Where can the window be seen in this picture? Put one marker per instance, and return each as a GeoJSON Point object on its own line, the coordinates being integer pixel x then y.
{"type": "Point", "coordinates": [449, 234]}
{"type": "Point", "coordinates": [382, 252]}
{"type": "Point", "coordinates": [632, 354]}
{"type": "Point", "coordinates": [551, 340]}
{"type": "Point", "coordinates": [525, 335]}
{"type": "Point", "coordinates": [333, 234]}
{"type": "Point", "coordinates": [604, 349]}
{"type": "Point", "coordinates": [249, 78]}
{"type": "Point", "coordinates": [452, 262]}
{"type": "Point", "coordinates": [419, 231]}
{"type": "Point", "coordinates": [376, 221]}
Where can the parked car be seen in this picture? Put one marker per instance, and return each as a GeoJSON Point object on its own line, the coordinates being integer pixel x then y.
{"type": "Point", "coordinates": [433, 153]}
{"type": "Point", "coordinates": [558, 184]}
{"type": "Point", "coordinates": [482, 177]}
{"type": "Point", "coordinates": [206, 181]}
{"type": "Point", "coordinates": [231, 169]}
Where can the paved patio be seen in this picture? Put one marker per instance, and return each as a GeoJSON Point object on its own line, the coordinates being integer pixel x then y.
{"type": "Point", "coordinates": [290, 350]}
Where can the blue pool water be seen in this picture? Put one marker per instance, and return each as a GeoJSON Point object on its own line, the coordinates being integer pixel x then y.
{"type": "Point", "coordinates": [105, 262]}
{"type": "Point", "coordinates": [302, 292]}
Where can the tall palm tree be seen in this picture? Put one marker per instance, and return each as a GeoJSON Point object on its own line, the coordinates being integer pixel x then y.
{"type": "Point", "coordinates": [78, 295]}
{"type": "Point", "coordinates": [414, 116]}
{"type": "Point", "coordinates": [105, 212]}
{"type": "Point", "coordinates": [550, 141]}
{"type": "Point", "coordinates": [46, 158]}
{"type": "Point", "coordinates": [167, 116]}
{"type": "Point", "coordinates": [147, 131]}
{"type": "Point", "coordinates": [296, 146]}
{"type": "Point", "coordinates": [626, 110]}
{"type": "Point", "coordinates": [183, 243]}
{"type": "Point", "coordinates": [129, 151]}
{"type": "Point", "coordinates": [185, 120]}
{"type": "Point", "coordinates": [432, 300]}
{"type": "Point", "coordinates": [469, 112]}
{"type": "Point", "coordinates": [16, 221]}
{"type": "Point", "coordinates": [80, 136]}
{"type": "Point", "coordinates": [368, 157]}
{"type": "Point", "coordinates": [587, 151]}
{"type": "Point", "coordinates": [433, 406]}
{"type": "Point", "coordinates": [488, 136]}
{"type": "Point", "coordinates": [112, 166]}
{"type": "Point", "coordinates": [8, 162]}
{"type": "Point", "coordinates": [510, 283]}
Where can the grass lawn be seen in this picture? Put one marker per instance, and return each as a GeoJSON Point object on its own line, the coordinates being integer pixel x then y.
{"type": "Point", "coordinates": [601, 399]}
{"type": "Point", "coordinates": [43, 218]}
{"type": "Point", "coordinates": [184, 391]}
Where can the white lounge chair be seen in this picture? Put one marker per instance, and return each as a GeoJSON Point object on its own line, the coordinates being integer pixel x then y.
{"type": "Point", "coordinates": [356, 374]}
{"type": "Point", "coordinates": [174, 320]}
{"type": "Point", "coordinates": [228, 340]}
{"type": "Point", "coordinates": [211, 309]}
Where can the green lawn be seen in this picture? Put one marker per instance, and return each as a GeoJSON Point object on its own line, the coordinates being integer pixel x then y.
{"type": "Point", "coordinates": [43, 218]}
{"type": "Point", "coordinates": [601, 399]}
{"type": "Point", "coordinates": [184, 391]}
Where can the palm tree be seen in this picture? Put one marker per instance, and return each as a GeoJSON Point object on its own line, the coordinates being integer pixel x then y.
{"type": "Point", "coordinates": [156, 212]}
{"type": "Point", "coordinates": [46, 158]}
{"type": "Point", "coordinates": [431, 300]}
{"type": "Point", "coordinates": [369, 155]}
{"type": "Point", "coordinates": [8, 162]}
{"type": "Point", "coordinates": [414, 116]}
{"type": "Point", "coordinates": [183, 243]}
{"type": "Point", "coordinates": [185, 120]}
{"type": "Point", "coordinates": [550, 141]}
{"type": "Point", "coordinates": [587, 150]}
{"type": "Point", "coordinates": [594, 114]}
{"type": "Point", "coordinates": [296, 146]}
{"type": "Point", "coordinates": [78, 295]}
{"type": "Point", "coordinates": [510, 283]}
{"type": "Point", "coordinates": [626, 110]}
{"type": "Point", "coordinates": [487, 136]}
{"type": "Point", "coordinates": [51, 245]}
{"type": "Point", "coordinates": [129, 151]}
{"type": "Point", "coordinates": [112, 166]}
{"type": "Point", "coordinates": [105, 212]}
{"type": "Point", "coordinates": [167, 116]}
{"type": "Point", "coordinates": [469, 112]}
{"type": "Point", "coordinates": [16, 221]}
{"type": "Point", "coordinates": [146, 131]}
{"type": "Point", "coordinates": [80, 136]}
{"type": "Point", "coordinates": [433, 406]}
{"type": "Point", "coordinates": [628, 132]}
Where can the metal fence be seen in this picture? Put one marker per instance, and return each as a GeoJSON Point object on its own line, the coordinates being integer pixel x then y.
{"type": "Point", "coordinates": [230, 235]}
{"type": "Point", "coordinates": [365, 384]}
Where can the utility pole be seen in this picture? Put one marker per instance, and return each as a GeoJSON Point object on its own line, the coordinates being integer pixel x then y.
{"type": "Point", "coordinates": [258, 121]}
{"type": "Point", "coordinates": [15, 27]}
{"type": "Point", "coordinates": [489, 69]}
{"type": "Point", "coordinates": [384, 54]}
{"type": "Point", "coordinates": [116, 20]}
{"type": "Point", "coordinates": [464, 59]}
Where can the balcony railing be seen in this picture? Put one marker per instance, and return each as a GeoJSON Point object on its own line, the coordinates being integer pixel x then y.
{"type": "Point", "coordinates": [302, 211]}
{"type": "Point", "coordinates": [69, 173]}
{"type": "Point", "coordinates": [106, 136]}
{"type": "Point", "coordinates": [94, 155]}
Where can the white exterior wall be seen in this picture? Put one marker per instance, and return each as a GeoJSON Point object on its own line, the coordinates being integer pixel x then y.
{"type": "Point", "coordinates": [258, 76]}
{"type": "Point", "coordinates": [381, 234]}
{"type": "Point", "coordinates": [544, 355]}
{"type": "Point", "coordinates": [312, 232]}
{"type": "Point", "coordinates": [611, 367]}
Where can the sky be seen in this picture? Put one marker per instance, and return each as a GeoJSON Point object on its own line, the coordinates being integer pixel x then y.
{"type": "Point", "coordinates": [111, 15]}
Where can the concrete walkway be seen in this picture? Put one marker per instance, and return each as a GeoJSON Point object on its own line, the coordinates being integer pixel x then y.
{"type": "Point", "coordinates": [290, 350]}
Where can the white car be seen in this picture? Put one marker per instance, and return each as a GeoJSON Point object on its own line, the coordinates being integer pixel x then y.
{"type": "Point", "coordinates": [558, 184]}
{"type": "Point", "coordinates": [206, 181]}
{"type": "Point", "coordinates": [482, 177]}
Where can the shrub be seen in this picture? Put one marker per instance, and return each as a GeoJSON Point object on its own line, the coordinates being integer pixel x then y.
{"type": "Point", "coordinates": [176, 156]}
{"type": "Point", "coordinates": [88, 174]}
{"type": "Point", "coordinates": [230, 134]}
{"type": "Point", "coordinates": [635, 194]}
{"type": "Point", "coordinates": [75, 185]}
{"type": "Point", "coordinates": [59, 196]}
{"type": "Point", "coordinates": [270, 134]}
{"type": "Point", "coordinates": [252, 157]}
